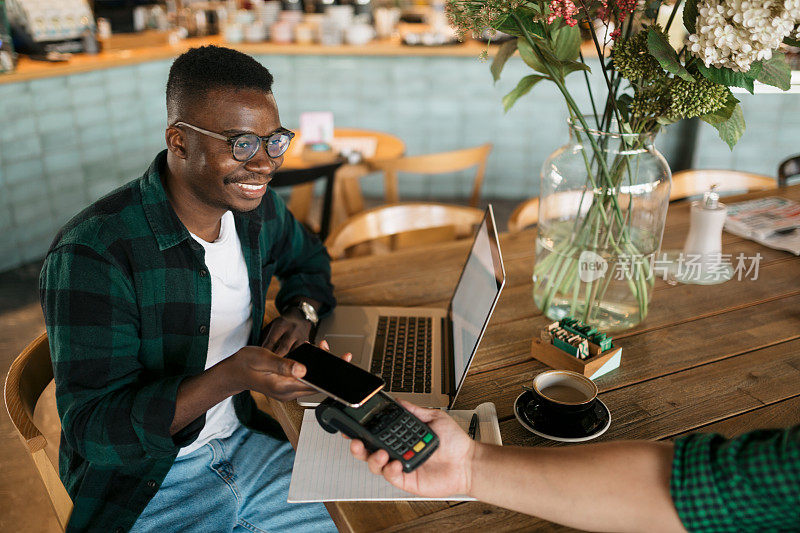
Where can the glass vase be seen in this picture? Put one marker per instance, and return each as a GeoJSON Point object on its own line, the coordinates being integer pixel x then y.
{"type": "Point", "coordinates": [603, 203]}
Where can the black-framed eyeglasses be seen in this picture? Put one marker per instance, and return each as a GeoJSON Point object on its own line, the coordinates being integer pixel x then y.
{"type": "Point", "coordinates": [245, 145]}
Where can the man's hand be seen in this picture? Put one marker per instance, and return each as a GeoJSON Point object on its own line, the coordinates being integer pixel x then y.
{"type": "Point", "coordinates": [259, 369]}
{"type": "Point", "coordinates": [287, 332]}
{"type": "Point", "coordinates": [446, 472]}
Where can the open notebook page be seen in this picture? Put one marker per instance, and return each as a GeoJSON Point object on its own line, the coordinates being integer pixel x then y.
{"type": "Point", "coordinates": [324, 470]}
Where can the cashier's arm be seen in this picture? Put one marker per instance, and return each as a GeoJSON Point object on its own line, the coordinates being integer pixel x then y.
{"type": "Point", "coordinates": [614, 486]}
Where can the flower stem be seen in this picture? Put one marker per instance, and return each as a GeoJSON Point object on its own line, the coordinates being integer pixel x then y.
{"type": "Point", "coordinates": [672, 15]}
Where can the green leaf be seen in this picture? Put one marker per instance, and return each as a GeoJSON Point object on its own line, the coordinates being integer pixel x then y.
{"type": "Point", "coordinates": [651, 11]}
{"type": "Point", "coordinates": [529, 57]}
{"type": "Point", "coordinates": [572, 66]}
{"type": "Point", "coordinates": [624, 104]}
{"type": "Point", "coordinates": [666, 121]}
{"type": "Point", "coordinates": [755, 70]}
{"type": "Point", "coordinates": [545, 51]}
{"type": "Point", "coordinates": [567, 42]}
{"type": "Point", "coordinates": [732, 129]}
{"type": "Point", "coordinates": [729, 78]}
{"type": "Point", "coordinates": [723, 114]}
{"type": "Point", "coordinates": [543, 46]}
{"type": "Point", "coordinates": [528, 16]}
{"type": "Point", "coordinates": [690, 15]}
{"type": "Point", "coordinates": [523, 87]}
{"type": "Point", "coordinates": [791, 42]}
{"type": "Point", "coordinates": [776, 72]}
{"type": "Point", "coordinates": [659, 47]}
{"type": "Point", "coordinates": [505, 51]}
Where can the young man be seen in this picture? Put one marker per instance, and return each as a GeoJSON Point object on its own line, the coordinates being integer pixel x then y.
{"type": "Point", "coordinates": [700, 483]}
{"type": "Point", "coordinates": [154, 298]}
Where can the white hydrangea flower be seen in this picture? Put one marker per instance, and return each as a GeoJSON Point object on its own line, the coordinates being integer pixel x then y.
{"type": "Point", "coordinates": [734, 33]}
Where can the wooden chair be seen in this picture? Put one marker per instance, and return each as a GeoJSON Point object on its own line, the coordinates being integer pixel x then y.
{"type": "Point", "coordinates": [302, 181]}
{"type": "Point", "coordinates": [526, 214]}
{"type": "Point", "coordinates": [688, 183]}
{"type": "Point", "coordinates": [407, 224]}
{"type": "Point", "coordinates": [436, 164]}
{"type": "Point", "coordinates": [28, 376]}
{"type": "Point", "coordinates": [788, 169]}
{"type": "Point", "coordinates": [561, 204]}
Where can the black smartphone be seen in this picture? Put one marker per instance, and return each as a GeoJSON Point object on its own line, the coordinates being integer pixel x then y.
{"type": "Point", "coordinates": [335, 377]}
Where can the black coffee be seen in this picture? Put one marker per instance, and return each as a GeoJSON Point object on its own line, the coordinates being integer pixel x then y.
{"type": "Point", "coordinates": [564, 393]}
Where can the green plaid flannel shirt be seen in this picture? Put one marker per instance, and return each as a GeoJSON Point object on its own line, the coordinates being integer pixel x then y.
{"type": "Point", "coordinates": [127, 304]}
{"type": "Point", "coordinates": [749, 483]}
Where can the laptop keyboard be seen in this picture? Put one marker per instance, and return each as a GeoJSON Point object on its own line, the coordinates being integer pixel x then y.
{"type": "Point", "coordinates": [402, 353]}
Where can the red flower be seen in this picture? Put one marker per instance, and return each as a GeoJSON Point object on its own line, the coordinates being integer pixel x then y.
{"type": "Point", "coordinates": [618, 9]}
{"type": "Point", "coordinates": [565, 9]}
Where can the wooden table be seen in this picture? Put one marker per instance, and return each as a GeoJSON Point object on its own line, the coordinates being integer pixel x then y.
{"type": "Point", "coordinates": [722, 358]}
{"type": "Point", "coordinates": [347, 198]}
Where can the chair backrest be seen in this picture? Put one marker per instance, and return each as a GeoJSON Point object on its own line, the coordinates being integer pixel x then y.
{"type": "Point", "coordinates": [28, 376]}
{"type": "Point", "coordinates": [526, 214]}
{"type": "Point", "coordinates": [301, 197]}
{"type": "Point", "coordinates": [439, 163]}
{"type": "Point", "coordinates": [789, 168]}
{"type": "Point", "coordinates": [694, 182]}
{"type": "Point", "coordinates": [291, 177]}
{"type": "Point", "coordinates": [403, 218]}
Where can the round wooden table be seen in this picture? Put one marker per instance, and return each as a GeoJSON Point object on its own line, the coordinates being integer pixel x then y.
{"type": "Point", "coordinates": [347, 197]}
{"type": "Point", "coordinates": [388, 147]}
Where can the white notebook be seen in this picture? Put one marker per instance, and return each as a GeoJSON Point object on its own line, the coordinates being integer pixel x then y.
{"type": "Point", "coordinates": [325, 471]}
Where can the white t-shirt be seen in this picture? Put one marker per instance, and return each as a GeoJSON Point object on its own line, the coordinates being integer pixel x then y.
{"type": "Point", "coordinates": [231, 305]}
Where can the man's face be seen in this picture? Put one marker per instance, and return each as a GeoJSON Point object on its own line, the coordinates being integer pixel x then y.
{"type": "Point", "coordinates": [212, 175]}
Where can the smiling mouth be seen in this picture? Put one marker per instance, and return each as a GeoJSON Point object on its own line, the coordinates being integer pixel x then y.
{"type": "Point", "coordinates": [250, 187]}
{"type": "Point", "coordinates": [251, 190]}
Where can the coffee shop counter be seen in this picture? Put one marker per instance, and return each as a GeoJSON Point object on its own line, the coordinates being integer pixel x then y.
{"type": "Point", "coordinates": [72, 132]}
{"type": "Point", "coordinates": [29, 69]}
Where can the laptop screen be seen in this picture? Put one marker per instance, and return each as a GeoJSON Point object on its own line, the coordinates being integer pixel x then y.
{"type": "Point", "coordinates": [475, 296]}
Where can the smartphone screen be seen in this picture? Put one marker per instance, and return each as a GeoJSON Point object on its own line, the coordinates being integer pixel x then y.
{"type": "Point", "coordinates": [335, 377]}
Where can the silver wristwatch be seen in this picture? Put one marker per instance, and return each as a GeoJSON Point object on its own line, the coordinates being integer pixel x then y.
{"type": "Point", "coordinates": [309, 312]}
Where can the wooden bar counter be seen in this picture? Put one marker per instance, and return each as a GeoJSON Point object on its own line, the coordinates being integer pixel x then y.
{"type": "Point", "coordinates": [28, 69]}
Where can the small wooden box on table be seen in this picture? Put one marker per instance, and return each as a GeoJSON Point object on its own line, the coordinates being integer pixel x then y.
{"type": "Point", "coordinates": [555, 358]}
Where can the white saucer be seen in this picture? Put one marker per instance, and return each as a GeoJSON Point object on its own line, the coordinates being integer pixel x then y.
{"type": "Point", "coordinates": [585, 438]}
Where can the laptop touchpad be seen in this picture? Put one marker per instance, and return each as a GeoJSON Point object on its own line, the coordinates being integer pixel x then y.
{"type": "Point", "coordinates": [342, 344]}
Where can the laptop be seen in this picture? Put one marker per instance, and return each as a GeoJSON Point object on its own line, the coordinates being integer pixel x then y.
{"type": "Point", "coordinates": [423, 354]}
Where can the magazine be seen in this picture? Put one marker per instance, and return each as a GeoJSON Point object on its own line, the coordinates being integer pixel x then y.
{"type": "Point", "coordinates": [772, 221]}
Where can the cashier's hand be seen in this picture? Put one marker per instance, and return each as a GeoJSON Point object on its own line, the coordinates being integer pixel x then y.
{"type": "Point", "coordinates": [256, 368]}
{"type": "Point", "coordinates": [446, 472]}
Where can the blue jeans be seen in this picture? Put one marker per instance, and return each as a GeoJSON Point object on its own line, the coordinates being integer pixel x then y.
{"type": "Point", "coordinates": [235, 484]}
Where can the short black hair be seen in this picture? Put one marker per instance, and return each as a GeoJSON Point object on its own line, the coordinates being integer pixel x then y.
{"type": "Point", "coordinates": [207, 68]}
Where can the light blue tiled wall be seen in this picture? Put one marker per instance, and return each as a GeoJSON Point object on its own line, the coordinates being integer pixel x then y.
{"type": "Point", "coordinates": [65, 141]}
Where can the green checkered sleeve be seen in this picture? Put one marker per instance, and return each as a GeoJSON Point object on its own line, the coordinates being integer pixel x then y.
{"type": "Point", "coordinates": [302, 263]}
{"type": "Point", "coordinates": [748, 483]}
{"type": "Point", "coordinates": [109, 414]}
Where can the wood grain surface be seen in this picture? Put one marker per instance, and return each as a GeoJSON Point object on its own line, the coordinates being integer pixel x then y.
{"type": "Point", "coordinates": [723, 358]}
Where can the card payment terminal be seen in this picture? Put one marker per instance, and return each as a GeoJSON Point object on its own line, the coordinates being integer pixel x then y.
{"type": "Point", "coordinates": [381, 423]}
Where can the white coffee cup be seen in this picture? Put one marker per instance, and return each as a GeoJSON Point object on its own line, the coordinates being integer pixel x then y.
{"type": "Point", "coordinates": [359, 34]}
